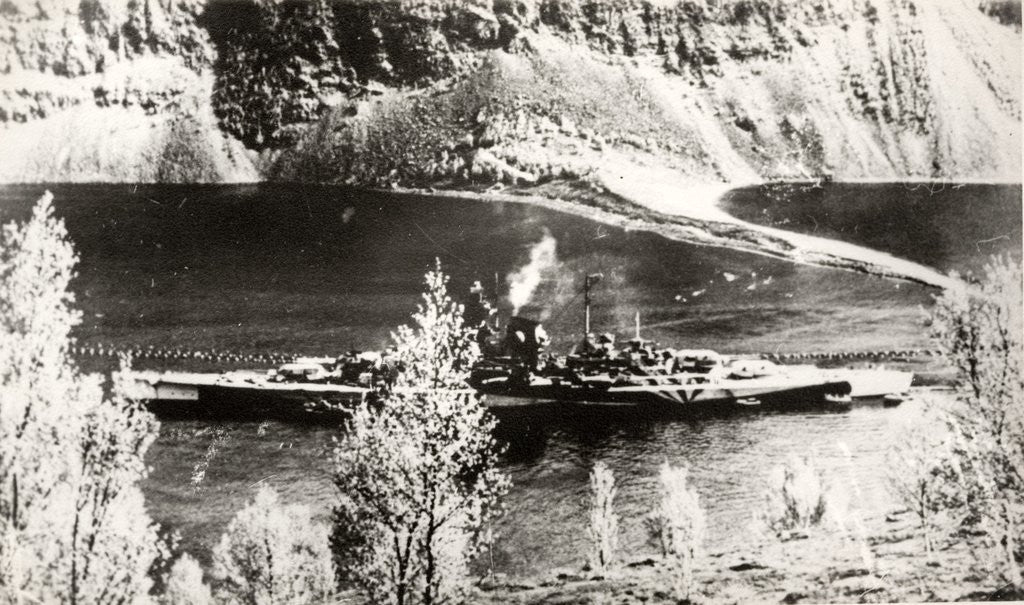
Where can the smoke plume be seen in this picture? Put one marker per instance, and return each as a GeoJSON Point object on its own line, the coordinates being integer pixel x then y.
{"type": "Point", "coordinates": [522, 283]}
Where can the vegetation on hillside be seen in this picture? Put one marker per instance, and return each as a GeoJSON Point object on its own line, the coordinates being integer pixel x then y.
{"type": "Point", "coordinates": [63, 41]}
{"type": "Point", "coordinates": [278, 64]}
{"type": "Point", "coordinates": [719, 91]}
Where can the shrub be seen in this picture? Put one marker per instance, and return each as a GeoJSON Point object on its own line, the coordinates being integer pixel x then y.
{"type": "Point", "coordinates": [416, 473]}
{"type": "Point", "coordinates": [915, 478]}
{"type": "Point", "coordinates": [604, 522]}
{"type": "Point", "coordinates": [272, 553]}
{"type": "Point", "coordinates": [979, 326]}
{"type": "Point", "coordinates": [185, 584]}
{"type": "Point", "coordinates": [72, 518]}
{"type": "Point", "coordinates": [844, 508]}
{"type": "Point", "coordinates": [796, 497]}
{"type": "Point", "coordinates": [677, 525]}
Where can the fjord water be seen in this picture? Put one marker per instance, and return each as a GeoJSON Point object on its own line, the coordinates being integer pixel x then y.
{"type": "Point", "coordinates": [320, 270]}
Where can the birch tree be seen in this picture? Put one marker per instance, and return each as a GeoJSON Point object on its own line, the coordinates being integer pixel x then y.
{"type": "Point", "coordinates": [416, 472]}
{"type": "Point", "coordinates": [273, 553]}
{"type": "Point", "coordinates": [73, 526]}
{"type": "Point", "coordinates": [979, 326]}
{"type": "Point", "coordinates": [185, 584]}
{"type": "Point", "coordinates": [677, 524]}
{"type": "Point", "coordinates": [604, 521]}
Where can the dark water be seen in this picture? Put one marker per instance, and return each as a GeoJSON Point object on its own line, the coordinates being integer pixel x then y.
{"type": "Point", "coordinates": [551, 454]}
{"type": "Point", "coordinates": [320, 270]}
{"type": "Point", "coordinates": [945, 226]}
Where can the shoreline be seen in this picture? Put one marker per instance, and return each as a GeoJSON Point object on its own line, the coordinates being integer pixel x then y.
{"type": "Point", "coordinates": [647, 199]}
{"type": "Point", "coordinates": [701, 221]}
{"type": "Point", "coordinates": [886, 563]}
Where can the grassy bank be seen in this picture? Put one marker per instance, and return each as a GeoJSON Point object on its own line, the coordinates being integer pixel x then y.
{"type": "Point", "coordinates": [887, 565]}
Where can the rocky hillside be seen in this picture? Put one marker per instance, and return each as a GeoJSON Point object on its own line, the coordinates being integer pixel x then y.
{"type": "Point", "coordinates": [550, 96]}
{"type": "Point", "coordinates": [110, 90]}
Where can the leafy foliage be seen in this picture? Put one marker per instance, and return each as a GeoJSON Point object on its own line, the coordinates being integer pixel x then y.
{"type": "Point", "coordinates": [604, 521]}
{"type": "Point", "coordinates": [273, 553]}
{"type": "Point", "coordinates": [796, 498]}
{"type": "Point", "coordinates": [185, 584]}
{"type": "Point", "coordinates": [416, 474]}
{"type": "Point", "coordinates": [916, 478]}
{"type": "Point", "coordinates": [979, 326]}
{"type": "Point", "coordinates": [439, 352]}
{"type": "Point", "coordinates": [1006, 12]}
{"type": "Point", "coordinates": [677, 524]}
{"type": "Point", "coordinates": [72, 518]}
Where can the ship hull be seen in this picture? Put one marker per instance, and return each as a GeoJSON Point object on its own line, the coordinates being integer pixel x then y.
{"type": "Point", "coordinates": [768, 393]}
{"type": "Point", "coordinates": [249, 395]}
{"type": "Point", "coordinates": [240, 395]}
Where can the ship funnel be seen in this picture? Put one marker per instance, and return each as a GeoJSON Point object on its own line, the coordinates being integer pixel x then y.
{"type": "Point", "coordinates": [525, 339]}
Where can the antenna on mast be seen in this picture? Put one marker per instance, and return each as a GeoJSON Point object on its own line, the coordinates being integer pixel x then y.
{"type": "Point", "coordinates": [638, 325]}
{"type": "Point", "coordinates": [588, 281]}
{"type": "Point", "coordinates": [497, 318]}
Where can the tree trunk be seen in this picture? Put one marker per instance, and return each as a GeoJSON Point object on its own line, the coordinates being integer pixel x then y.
{"type": "Point", "coordinates": [1010, 548]}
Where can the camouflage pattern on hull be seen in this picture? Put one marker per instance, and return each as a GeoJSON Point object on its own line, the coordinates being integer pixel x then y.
{"type": "Point", "coordinates": [769, 392]}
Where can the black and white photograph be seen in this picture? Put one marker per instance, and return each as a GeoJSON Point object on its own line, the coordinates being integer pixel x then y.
{"type": "Point", "coordinates": [553, 302]}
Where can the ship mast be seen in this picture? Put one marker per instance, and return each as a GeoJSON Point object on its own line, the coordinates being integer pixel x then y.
{"type": "Point", "coordinates": [588, 281]}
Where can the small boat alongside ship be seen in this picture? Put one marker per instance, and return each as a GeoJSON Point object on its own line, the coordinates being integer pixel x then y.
{"type": "Point", "coordinates": [865, 383]}
{"type": "Point", "coordinates": [515, 365]}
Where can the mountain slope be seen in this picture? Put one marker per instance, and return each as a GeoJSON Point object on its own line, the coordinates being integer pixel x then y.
{"type": "Point", "coordinates": [544, 95]}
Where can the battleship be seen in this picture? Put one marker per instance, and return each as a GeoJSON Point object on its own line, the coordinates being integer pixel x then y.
{"type": "Point", "coordinates": [516, 365]}
{"type": "Point", "coordinates": [644, 374]}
